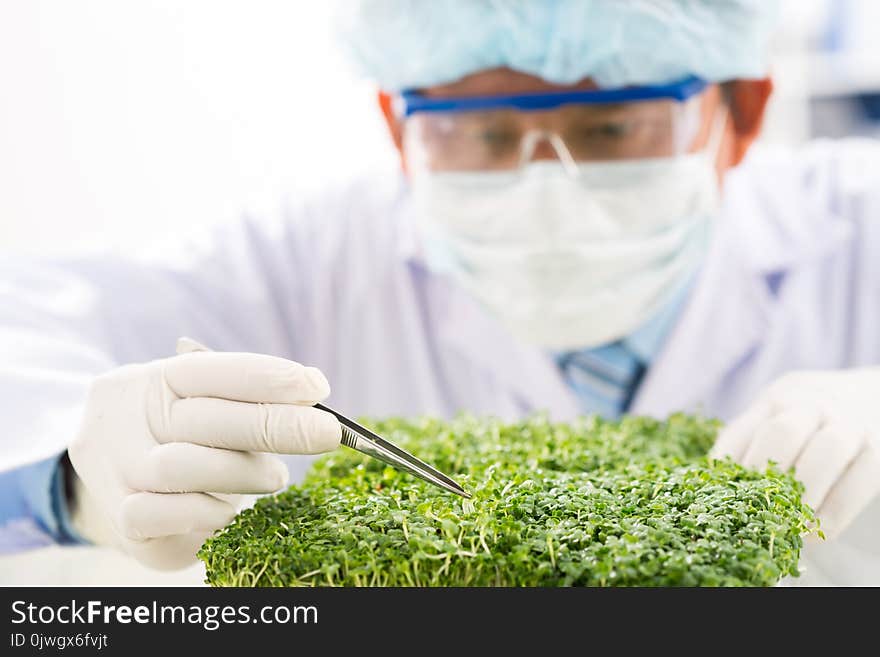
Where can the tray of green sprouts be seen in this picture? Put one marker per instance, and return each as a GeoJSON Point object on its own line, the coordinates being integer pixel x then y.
{"type": "Point", "coordinates": [593, 502]}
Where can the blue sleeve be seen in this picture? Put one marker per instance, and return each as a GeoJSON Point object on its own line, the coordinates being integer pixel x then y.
{"type": "Point", "coordinates": [36, 492]}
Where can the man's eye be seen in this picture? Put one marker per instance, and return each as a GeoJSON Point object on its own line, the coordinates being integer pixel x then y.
{"type": "Point", "coordinates": [607, 130]}
{"type": "Point", "coordinates": [499, 138]}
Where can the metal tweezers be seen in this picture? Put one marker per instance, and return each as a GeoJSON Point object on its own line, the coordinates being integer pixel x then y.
{"type": "Point", "coordinates": [360, 438]}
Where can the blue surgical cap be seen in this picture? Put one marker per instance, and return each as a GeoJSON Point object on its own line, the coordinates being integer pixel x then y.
{"type": "Point", "coordinates": [419, 43]}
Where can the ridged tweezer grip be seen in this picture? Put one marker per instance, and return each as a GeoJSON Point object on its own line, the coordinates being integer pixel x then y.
{"type": "Point", "coordinates": [349, 437]}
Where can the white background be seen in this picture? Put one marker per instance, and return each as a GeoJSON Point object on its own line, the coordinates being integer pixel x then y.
{"type": "Point", "coordinates": [121, 119]}
{"type": "Point", "coordinates": [125, 119]}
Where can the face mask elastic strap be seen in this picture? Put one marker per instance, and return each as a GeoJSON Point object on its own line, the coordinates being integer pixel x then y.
{"type": "Point", "coordinates": [716, 133]}
{"type": "Point", "coordinates": [688, 126]}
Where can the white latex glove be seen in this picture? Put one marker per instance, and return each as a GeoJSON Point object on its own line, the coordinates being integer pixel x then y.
{"type": "Point", "coordinates": [161, 442]}
{"type": "Point", "coordinates": [824, 424]}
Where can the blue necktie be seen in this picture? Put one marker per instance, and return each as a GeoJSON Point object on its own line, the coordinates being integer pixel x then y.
{"type": "Point", "coordinates": [605, 379]}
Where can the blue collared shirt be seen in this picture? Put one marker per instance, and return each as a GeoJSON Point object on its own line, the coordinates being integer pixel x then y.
{"type": "Point", "coordinates": [33, 499]}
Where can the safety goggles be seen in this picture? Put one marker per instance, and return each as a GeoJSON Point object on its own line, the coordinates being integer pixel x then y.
{"type": "Point", "coordinates": [504, 133]}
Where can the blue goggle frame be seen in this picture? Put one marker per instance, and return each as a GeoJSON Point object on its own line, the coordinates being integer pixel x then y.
{"type": "Point", "coordinates": [413, 101]}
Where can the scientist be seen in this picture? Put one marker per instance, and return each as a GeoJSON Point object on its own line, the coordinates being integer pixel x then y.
{"type": "Point", "coordinates": [580, 227]}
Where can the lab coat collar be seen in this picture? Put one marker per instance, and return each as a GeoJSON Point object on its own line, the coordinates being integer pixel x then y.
{"type": "Point", "coordinates": [646, 342]}
{"type": "Point", "coordinates": [777, 229]}
{"type": "Point", "coordinates": [724, 319]}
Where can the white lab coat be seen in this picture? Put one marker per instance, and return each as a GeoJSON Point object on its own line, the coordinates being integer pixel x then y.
{"type": "Point", "coordinates": [792, 281]}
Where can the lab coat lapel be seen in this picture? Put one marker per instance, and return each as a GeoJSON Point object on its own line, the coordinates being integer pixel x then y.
{"type": "Point", "coordinates": [722, 322]}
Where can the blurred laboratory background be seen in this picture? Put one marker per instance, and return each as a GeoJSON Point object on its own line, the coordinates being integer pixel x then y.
{"type": "Point", "coordinates": [121, 121]}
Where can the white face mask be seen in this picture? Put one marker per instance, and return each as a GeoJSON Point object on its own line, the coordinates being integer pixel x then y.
{"type": "Point", "coordinates": [566, 261]}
